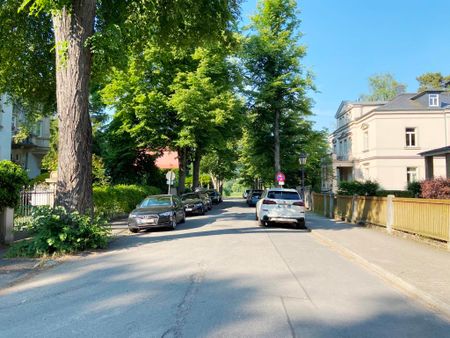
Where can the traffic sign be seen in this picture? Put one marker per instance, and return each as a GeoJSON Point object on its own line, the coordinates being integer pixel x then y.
{"type": "Point", "coordinates": [170, 176]}
{"type": "Point", "coordinates": [280, 177]}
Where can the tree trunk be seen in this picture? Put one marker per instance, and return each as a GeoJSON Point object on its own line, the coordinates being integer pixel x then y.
{"type": "Point", "coordinates": [196, 170]}
{"type": "Point", "coordinates": [276, 134]}
{"type": "Point", "coordinates": [182, 157]}
{"type": "Point", "coordinates": [73, 25]}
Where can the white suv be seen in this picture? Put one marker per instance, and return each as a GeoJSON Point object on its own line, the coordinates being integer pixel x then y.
{"type": "Point", "coordinates": [281, 205]}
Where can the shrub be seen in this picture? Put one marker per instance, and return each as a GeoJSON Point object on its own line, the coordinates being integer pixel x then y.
{"type": "Point", "coordinates": [367, 188]}
{"type": "Point", "coordinates": [39, 179]}
{"type": "Point", "coordinates": [438, 188]}
{"type": "Point", "coordinates": [396, 193]}
{"type": "Point", "coordinates": [115, 200]}
{"type": "Point", "coordinates": [415, 188]}
{"type": "Point", "coordinates": [12, 180]}
{"type": "Point", "coordinates": [56, 231]}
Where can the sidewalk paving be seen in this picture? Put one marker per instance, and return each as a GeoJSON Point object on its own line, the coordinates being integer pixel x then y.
{"type": "Point", "coordinates": [422, 270]}
{"type": "Point", "coordinates": [13, 270]}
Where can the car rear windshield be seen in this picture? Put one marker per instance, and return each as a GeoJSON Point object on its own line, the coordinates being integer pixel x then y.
{"type": "Point", "coordinates": [155, 201]}
{"type": "Point", "coordinates": [256, 194]}
{"type": "Point", "coordinates": [283, 195]}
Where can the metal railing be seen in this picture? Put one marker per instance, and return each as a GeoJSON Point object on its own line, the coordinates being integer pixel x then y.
{"type": "Point", "coordinates": [31, 198]}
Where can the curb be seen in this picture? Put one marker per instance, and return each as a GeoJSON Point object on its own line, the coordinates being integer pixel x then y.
{"type": "Point", "coordinates": [410, 290]}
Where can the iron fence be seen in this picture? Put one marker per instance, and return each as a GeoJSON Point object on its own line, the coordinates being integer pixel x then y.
{"type": "Point", "coordinates": [31, 198]}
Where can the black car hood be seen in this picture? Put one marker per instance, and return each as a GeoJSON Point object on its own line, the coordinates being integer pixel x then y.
{"type": "Point", "coordinates": [151, 210]}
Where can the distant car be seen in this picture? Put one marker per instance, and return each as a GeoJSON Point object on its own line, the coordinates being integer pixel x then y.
{"type": "Point", "coordinates": [281, 205]}
{"type": "Point", "coordinates": [253, 197]}
{"type": "Point", "coordinates": [246, 192]}
{"type": "Point", "coordinates": [193, 204]}
{"type": "Point", "coordinates": [157, 211]}
{"type": "Point", "coordinates": [207, 201]}
{"type": "Point", "coordinates": [215, 196]}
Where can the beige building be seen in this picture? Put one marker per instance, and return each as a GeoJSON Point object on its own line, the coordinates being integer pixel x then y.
{"type": "Point", "coordinates": [381, 141]}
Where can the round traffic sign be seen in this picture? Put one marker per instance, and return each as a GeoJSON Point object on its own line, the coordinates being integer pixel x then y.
{"type": "Point", "coordinates": [280, 177]}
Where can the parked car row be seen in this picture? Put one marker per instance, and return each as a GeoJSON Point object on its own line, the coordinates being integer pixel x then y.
{"type": "Point", "coordinates": [169, 210]}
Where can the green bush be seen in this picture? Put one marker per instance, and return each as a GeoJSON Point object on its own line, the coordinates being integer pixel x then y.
{"type": "Point", "coordinates": [396, 193]}
{"type": "Point", "coordinates": [415, 188]}
{"type": "Point", "coordinates": [116, 200]}
{"type": "Point", "coordinates": [39, 178]}
{"type": "Point", "coordinates": [367, 188]}
{"type": "Point", "coordinates": [56, 231]}
{"type": "Point", "coordinates": [12, 180]}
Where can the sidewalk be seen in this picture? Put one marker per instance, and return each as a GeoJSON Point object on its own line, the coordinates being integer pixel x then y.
{"type": "Point", "coordinates": [13, 270]}
{"type": "Point", "coordinates": [419, 269]}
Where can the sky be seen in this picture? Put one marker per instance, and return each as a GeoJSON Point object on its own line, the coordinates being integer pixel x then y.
{"type": "Point", "coordinates": [350, 40]}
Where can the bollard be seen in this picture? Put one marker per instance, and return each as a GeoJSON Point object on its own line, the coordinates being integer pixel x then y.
{"type": "Point", "coordinates": [390, 213]}
{"type": "Point", "coordinates": [6, 225]}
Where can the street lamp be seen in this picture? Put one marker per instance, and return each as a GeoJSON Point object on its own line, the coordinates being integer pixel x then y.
{"type": "Point", "coordinates": [302, 161]}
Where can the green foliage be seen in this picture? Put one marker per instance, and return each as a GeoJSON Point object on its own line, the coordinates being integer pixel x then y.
{"type": "Point", "coordinates": [12, 179]}
{"type": "Point", "coordinates": [56, 231]}
{"type": "Point", "coordinates": [429, 81]}
{"type": "Point", "coordinates": [116, 200]}
{"type": "Point", "coordinates": [396, 193]}
{"type": "Point", "coordinates": [383, 87]}
{"type": "Point", "coordinates": [367, 188]}
{"type": "Point", "coordinates": [415, 188]}
{"type": "Point", "coordinates": [277, 83]}
{"type": "Point", "coordinates": [39, 179]}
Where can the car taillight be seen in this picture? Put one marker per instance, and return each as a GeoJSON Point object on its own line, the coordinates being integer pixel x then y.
{"type": "Point", "coordinates": [300, 204]}
{"type": "Point", "coordinates": [269, 202]}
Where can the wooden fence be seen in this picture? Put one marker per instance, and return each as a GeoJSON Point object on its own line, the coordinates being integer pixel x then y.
{"type": "Point", "coordinates": [425, 217]}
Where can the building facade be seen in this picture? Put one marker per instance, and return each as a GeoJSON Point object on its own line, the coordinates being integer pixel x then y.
{"type": "Point", "coordinates": [30, 151]}
{"type": "Point", "coordinates": [381, 141]}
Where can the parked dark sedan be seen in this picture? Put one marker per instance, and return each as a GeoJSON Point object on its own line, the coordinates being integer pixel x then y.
{"type": "Point", "coordinates": [253, 197]}
{"type": "Point", "coordinates": [215, 196]}
{"type": "Point", "coordinates": [193, 204]}
{"type": "Point", "coordinates": [157, 211]}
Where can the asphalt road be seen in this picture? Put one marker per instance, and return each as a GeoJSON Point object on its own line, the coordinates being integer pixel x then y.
{"type": "Point", "coordinates": [218, 275]}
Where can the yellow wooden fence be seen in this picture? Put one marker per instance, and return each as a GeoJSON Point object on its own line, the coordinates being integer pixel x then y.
{"type": "Point", "coordinates": [425, 217]}
{"type": "Point", "coordinates": [430, 218]}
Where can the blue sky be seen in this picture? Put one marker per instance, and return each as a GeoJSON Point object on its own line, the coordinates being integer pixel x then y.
{"type": "Point", "coordinates": [350, 40]}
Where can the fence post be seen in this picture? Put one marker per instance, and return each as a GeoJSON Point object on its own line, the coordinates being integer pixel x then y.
{"type": "Point", "coordinates": [331, 205]}
{"type": "Point", "coordinates": [7, 225]}
{"type": "Point", "coordinates": [324, 204]}
{"type": "Point", "coordinates": [354, 205]}
{"type": "Point", "coordinates": [390, 213]}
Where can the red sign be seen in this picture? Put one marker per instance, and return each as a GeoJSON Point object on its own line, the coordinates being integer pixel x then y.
{"type": "Point", "coordinates": [280, 177]}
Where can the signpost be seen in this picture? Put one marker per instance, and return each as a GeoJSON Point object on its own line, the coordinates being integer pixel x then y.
{"type": "Point", "coordinates": [280, 178]}
{"type": "Point", "coordinates": [170, 176]}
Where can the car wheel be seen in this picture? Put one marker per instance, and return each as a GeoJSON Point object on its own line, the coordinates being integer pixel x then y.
{"type": "Point", "coordinates": [174, 224]}
{"type": "Point", "coordinates": [134, 230]}
{"type": "Point", "coordinates": [300, 224]}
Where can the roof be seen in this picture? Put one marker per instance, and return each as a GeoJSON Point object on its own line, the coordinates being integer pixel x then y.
{"type": "Point", "coordinates": [357, 103]}
{"type": "Point", "coordinates": [411, 102]}
{"type": "Point", "coordinates": [436, 152]}
{"type": "Point", "coordinates": [402, 102]}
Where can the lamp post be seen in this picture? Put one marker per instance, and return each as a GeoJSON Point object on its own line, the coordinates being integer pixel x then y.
{"type": "Point", "coordinates": [302, 161]}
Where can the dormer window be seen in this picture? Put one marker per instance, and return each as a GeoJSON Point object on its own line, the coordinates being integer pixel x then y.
{"type": "Point", "coordinates": [433, 100]}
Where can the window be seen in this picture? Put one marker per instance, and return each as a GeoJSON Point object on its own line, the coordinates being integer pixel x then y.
{"type": "Point", "coordinates": [411, 174]}
{"type": "Point", "coordinates": [433, 100]}
{"type": "Point", "coordinates": [410, 137]}
{"type": "Point", "coordinates": [366, 140]}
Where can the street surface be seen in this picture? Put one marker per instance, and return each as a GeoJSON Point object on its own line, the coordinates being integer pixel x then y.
{"type": "Point", "coordinates": [218, 275]}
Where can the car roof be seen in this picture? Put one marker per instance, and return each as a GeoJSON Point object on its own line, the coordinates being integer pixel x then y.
{"type": "Point", "coordinates": [282, 189]}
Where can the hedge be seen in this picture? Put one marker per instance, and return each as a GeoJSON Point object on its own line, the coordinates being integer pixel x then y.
{"type": "Point", "coordinates": [12, 180]}
{"type": "Point", "coordinates": [116, 200]}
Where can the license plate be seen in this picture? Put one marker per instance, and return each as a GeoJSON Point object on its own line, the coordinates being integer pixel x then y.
{"type": "Point", "coordinates": [148, 221]}
{"type": "Point", "coordinates": [188, 209]}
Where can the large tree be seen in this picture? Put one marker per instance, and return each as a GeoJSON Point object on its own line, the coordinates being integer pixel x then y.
{"type": "Point", "coordinates": [277, 88]}
{"type": "Point", "coordinates": [433, 81]}
{"type": "Point", "coordinates": [74, 24]}
{"type": "Point", "coordinates": [383, 87]}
